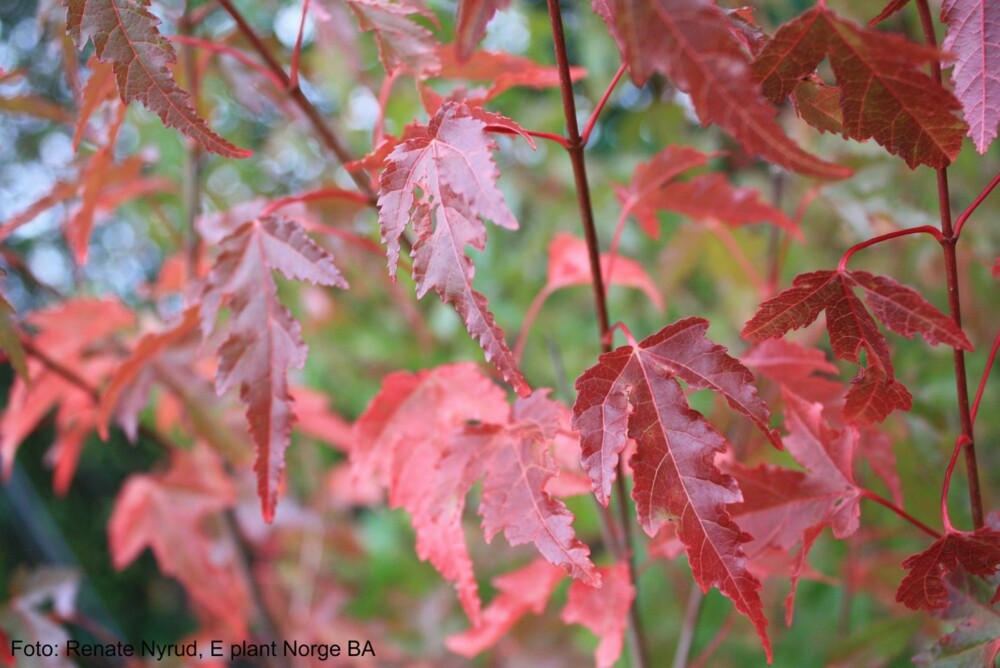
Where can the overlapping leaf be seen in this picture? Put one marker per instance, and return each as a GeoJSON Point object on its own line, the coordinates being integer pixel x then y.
{"type": "Point", "coordinates": [977, 552]}
{"type": "Point", "coordinates": [875, 392]}
{"type": "Point", "coordinates": [604, 611]}
{"type": "Point", "coordinates": [974, 643]}
{"type": "Point", "coordinates": [402, 42]}
{"type": "Point", "coordinates": [261, 340]}
{"type": "Point", "coordinates": [125, 33]}
{"type": "Point", "coordinates": [526, 590]}
{"type": "Point", "coordinates": [706, 196]}
{"type": "Point", "coordinates": [170, 513]}
{"type": "Point", "coordinates": [471, 21]}
{"type": "Point", "coordinates": [690, 42]}
{"type": "Point", "coordinates": [569, 264]}
{"type": "Point", "coordinates": [973, 37]}
{"type": "Point", "coordinates": [430, 436]}
{"type": "Point", "coordinates": [884, 93]}
{"type": "Point", "coordinates": [449, 161]}
{"type": "Point", "coordinates": [633, 392]}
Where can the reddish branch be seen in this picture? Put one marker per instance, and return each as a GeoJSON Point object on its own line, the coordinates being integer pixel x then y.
{"type": "Point", "coordinates": [575, 146]}
{"type": "Point", "coordinates": [872, 496]}
{"type": "Point", "coordinates": [950, 237]}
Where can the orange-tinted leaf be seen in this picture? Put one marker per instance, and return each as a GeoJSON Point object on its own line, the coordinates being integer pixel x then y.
{"type": "Point", "coordinates": [711, 196]}
{"type": "Point", "coordinates": [449, 161]}
{"type": "Point", "coordinates": [261, 340]}
{"type": "Point", "coordinates": [884, 93]}
{"type": "Point", "coordinates": [973, 37]}
{"type": "Point", "coordinates": [977, 552]}
{"type": "Point", "coordinates": [169, 513]}
{"type": "Point", "coordinates": [632, 392]}
{"type": "Point", "coordinates": [690, 42]}
{"type": "Point", "coordinates": [100, 87]}
{"type": "Point", "coordinates": [400, 441]}
{"type": "Point", "coordinates": [501, 71]}
{"type": "Point", "coordinates": [470, 23]}
{"type": "Point", "coordinates": [126, 376]}
{"type": "Point", "coordinates": [604, 611]}
{"type": "Point", "coordinates": [520, 592]}
{"type": "Point", "coordinates": [125, 33]}
{"type": "Point", "coordinates": [518, 466]}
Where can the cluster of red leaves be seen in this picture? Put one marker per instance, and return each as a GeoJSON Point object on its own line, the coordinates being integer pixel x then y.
{"type": "Point", "coordinates": [429, 437]}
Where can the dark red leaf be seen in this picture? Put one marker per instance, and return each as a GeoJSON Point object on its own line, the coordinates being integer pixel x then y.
{"type": "Point", "coordinates": [977, 552]}
{"type": "Point", "coordinates": [690, 42]}
{"type": "Point", "coordinates": [261, 340]}
{"type": "Point", "coordinates": [632, 392]}
{"type": "Point", "coordinates": [639, 197]}
{"type": "Point", "coordinates": [884, 93]}
{"type": "Point", "coordinates": [125, 33]}
{"type": "Point", "coordinates": [711, 196]}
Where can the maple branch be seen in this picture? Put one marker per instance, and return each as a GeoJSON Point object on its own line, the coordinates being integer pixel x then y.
{"type": "Point", "coordinates": [923, 229]}
{"type": "Point", "coordinates": [954, 303]}
{"type": "Point", "coordinates": [960, 222]}
{"type": "Point", "coordinates": [986, 374]}
{"type": "Point", "coordinates": [600, 105]}
{"type": "Point", "coordinates": [326, 133]}
{"type": "Point", "coordinates": [872, 496]}
{"type": "Point", "coordinates": [297, 51]}
{"type": "Point", "coordinates": [634, 632]}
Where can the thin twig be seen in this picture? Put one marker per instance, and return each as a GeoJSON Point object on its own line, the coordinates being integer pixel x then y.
{"type": "Point", "coordinates": [585, 138]}
{"type": "Point", "coordinates": [960, 222]}
{"type": "Point", "coordinates": [872, 496]}
{"type": "Point", "coordinates": [191, 194]}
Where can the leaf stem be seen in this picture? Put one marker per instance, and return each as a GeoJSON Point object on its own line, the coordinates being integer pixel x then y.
{"type": "Point", "coordinates": [923, 229]}
{"type": "Point", "coordinates": [951, 271]}
{"type": "Point", "coordinates": [986, 374]}
{"type": "Point", "coordinates": [960, 222]}
{"type": "Point", "coordinates": [326, 133]}
{"type": "Point", "coordinates": [600, 105]}
{"type": "Point", "coordinates": [945, 517]}
{"type": "Point", "coordinates": [634, 632]}
{"type": "Point", "coordinates": [550, 136]}
{"type": "Point", "coordinates": [882, 501]}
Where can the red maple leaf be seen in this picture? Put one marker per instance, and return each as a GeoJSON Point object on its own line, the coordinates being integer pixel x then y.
{"type": "Point", "coordinates": [402, 42]}
{"type": "Point", "coordinates": [884, 94]}
{"type": "Point", "coordinates": [125, 33]}
{"type": "Point", "coordinates": [875, 392]}
{"type": "Point", "coordinates": [449, 161]}
{"type": "Point", "coordinates": [923, 588]}
{"type": "Point", "coordinates": [470, 23]}
{"type": "Point", "coordinates": [632, 392]}
{"type": "Point", "coordinates": [690, 42]}
{"type": "Point", "coordinates": [520, 592]}
{"type": "Point", "coordinates": [604, 611]}
{"type": "Point", "coordinates": [169, 513]}
{"type": "Point", "coordinates": [261, 339]}
{"type": "Point", "coordinates": [455, 426]}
